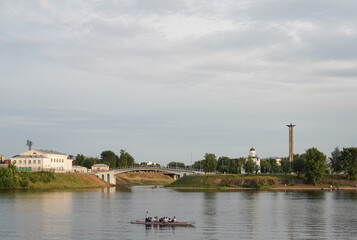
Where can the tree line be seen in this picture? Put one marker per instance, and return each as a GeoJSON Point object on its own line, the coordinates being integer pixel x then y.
{"type": "Point", "coordinates": [312, 164]}
{"type": "Point", "coordinates": [107, 157]}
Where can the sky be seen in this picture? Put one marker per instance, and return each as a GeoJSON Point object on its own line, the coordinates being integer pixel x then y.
{"type": "Point", "coordinates": [173, 80]}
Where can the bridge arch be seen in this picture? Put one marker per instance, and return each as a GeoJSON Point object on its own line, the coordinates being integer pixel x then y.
{"type": "Point", "coordinates": [175, 173]}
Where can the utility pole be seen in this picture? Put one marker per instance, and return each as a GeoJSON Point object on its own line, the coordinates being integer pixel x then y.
{"type": "Point", "coordinates": [291, 142]}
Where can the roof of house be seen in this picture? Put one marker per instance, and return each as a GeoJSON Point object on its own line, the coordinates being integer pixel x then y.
{"type": "Point", "coordinates": [49, 151]}
{"type": "Point", "coordinates": [100, 165]}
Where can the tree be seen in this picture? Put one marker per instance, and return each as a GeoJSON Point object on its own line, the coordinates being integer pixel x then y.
{"type": "Point", "coordinates": [349, 160]}
{"type": "Point", "coordinates": [265, 166]}
{"type": "Point", "coordinates": [298, 164]}
{"type": "Point", "coordinates": [210, 162]}
{"type": "Point", "coordinates": [197, 164]}
{"type": "Point", "coordinates": [80, 159]}
{"type": "Point", "coordinates": [249, 166]}
{"type": "Point", "coordinates": [336, 161]}
{"type": "Point", "coordinates": [227, 165]}
{"type": "Point", "coordinates": [8, 177]}
{"type": "Point", "coordinates": [241, 162]}
{"type": "Point", "coordinates": [285, 165]}
{"type": "Point", "coordinates": [89, 162]}
{"type": "Point", "coordinates": [314, 165]}
{"type": "Point", "coordinates": [175, 164]}
{"type": "Point", "coordinates": [108, 157]}
{"type": "Point", "coordinates": [275, 168]}
{"type": "Point", "coordinates": [125, 159]}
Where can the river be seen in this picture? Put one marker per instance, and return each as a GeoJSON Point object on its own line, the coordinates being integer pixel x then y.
{"type": "Point", "coordinates": [106, 214]}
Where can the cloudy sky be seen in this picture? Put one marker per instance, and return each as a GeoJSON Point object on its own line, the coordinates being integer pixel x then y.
{"type": "Point", "coordinates": [164, 79]}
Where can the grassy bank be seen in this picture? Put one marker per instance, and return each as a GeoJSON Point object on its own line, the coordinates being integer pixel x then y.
{"type": "Point", "coordinates": [143, 178]}
{"type": "Point", "coordinates": [258, 181]}
{"type": "Point", "coordinates": [70, 180]}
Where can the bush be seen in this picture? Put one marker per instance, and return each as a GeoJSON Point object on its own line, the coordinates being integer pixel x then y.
{"type": "Point", "coordinates": [10, 178]}
{"type": "Point", "coordinates": [259, 184]}
{"type": "Point", "coordinates": [24, 183]}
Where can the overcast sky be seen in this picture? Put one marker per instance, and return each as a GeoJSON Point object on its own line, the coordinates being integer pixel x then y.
{"type": "Point", "coordinates": [164, 79]}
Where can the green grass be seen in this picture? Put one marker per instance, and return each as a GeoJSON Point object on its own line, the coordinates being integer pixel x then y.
{"type": "Point", "coordinates": [259, 181]}
{"type": "Point", "coordinates": [70, 180]}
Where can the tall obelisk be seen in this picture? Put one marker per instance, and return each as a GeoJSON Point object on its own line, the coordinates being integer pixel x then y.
{"type": "Point", "coordinates": [291, 142]}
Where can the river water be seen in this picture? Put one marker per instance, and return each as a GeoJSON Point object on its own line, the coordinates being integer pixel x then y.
{"type": "Point", "coordinates": [106, 214]}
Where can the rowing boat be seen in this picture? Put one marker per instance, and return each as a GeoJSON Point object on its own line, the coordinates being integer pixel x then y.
{"type": "Point", "coordinates": [163, 223]}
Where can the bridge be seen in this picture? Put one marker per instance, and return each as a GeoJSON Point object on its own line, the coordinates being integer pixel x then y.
{"type": "Point", "coordinates": [175, 173]}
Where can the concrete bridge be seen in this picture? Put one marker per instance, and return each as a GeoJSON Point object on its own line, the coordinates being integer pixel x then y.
{"type": "Point", "coordinates": [175, 173]}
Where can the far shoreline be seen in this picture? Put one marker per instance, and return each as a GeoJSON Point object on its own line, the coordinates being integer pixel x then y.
{"type": "Point", "coordinates": [288, 188]}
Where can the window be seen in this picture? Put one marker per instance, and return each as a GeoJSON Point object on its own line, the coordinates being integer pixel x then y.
{"type": "Point", "coordinates": [34, 161]}
{"type": "Point", "coordinates": [20, 162]}
{"type": "Point", "coordinates": [24, 161]}
{"type": "Point", "coordinates": [39, 161]}
{"type": "Point", "coordinates": [29, 161]}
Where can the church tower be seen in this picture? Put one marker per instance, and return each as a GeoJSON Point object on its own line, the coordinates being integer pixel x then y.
{"type": "Point", "coordinates": [253, 154]}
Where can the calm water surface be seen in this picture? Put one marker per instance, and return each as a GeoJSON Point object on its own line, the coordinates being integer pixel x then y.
{"type": "Point", "coordinates": [105, 214]}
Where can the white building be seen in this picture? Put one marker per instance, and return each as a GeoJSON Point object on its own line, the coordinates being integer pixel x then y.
{"type": "Point", "coordinates": [255, 159]}
{"type": "Point", "coordinates": [42, 160]}
{"type": "Point", "coordinates": [79, 169]}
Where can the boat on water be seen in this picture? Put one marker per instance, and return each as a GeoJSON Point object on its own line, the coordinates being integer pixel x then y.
{"type": "Point", "coordinates": [163, 223]}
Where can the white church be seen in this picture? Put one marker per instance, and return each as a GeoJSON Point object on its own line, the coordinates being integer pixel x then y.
{"type": "Point", "coordinates": [255, 159]}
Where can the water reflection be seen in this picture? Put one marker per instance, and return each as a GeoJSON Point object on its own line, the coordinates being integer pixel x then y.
{"type": "Point", "coordinates": [209, 212]}
{"type": "Point", "coordinates": [106, 214]}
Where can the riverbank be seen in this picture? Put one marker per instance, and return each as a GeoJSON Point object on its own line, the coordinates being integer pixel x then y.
{"type": "Point", "coordinates": [143, 178]}
{"type": "Point", "coordinates": [263, 182]}
{"type": "Point", "coordinates": [70, 180]}
{"type": "Point", "coordinates": [48, 180]}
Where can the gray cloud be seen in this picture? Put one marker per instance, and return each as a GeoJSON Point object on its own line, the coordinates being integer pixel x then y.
{"type": "Point", "coordinates": [164, 78]}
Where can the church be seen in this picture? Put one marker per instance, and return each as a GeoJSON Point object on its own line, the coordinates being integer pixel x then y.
{"type": "Point", "coordinates": [255, 159]}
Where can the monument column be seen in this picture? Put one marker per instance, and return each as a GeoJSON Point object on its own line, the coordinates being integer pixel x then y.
{"type": "Point", "coordinates": [291, 143]}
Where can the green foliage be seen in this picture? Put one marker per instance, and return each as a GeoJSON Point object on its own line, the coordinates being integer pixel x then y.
{"type": "Point", "coordinates": [10, 178]}
{"type": "Point", "coordinates": [259, 184]}
{"type": "Point", "coordinates": [298, 164]}
{"type": "Point", "coordinates": [286, 165]}
{"type": "Point", "coordinates": [275, 168]}
{"type": "Point", "coordinates": [210, 162]}
{"type": "Point", "coordinates": [24, 183]}
{"type": "Point", "coordinates": [109, 157]}
{"type": "Point", "coordinates": [80, 159]}
{"type": "Point", "coordinates": [227, 165]}
{"type": "Point", "coordinates": [175, 164]}
{"type": "Point", "coordinates": [7, 177]}
{"type": "Point", "coordinates": [89, 162]}
{"type": "Point", "coordinates": [349, 160]}
{"type": "Point", "coordinates": [125, 159]}
{"type": "Point", "coordinates": [265, 166]}
{"type": "Point", "coordinates": [197, 164]}
{"type": "Point", "coordinates": [249, 167]}
{"type": "Point", "coordinates": [241, 162]}
{"type": "Point", "coordinates": [336, 161]}
{"type": "Point", "coordinates": [314, 165]}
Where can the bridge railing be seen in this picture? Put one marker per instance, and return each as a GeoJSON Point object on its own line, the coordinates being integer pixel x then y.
{"type": "Point", "coordinates": [156, 167]}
